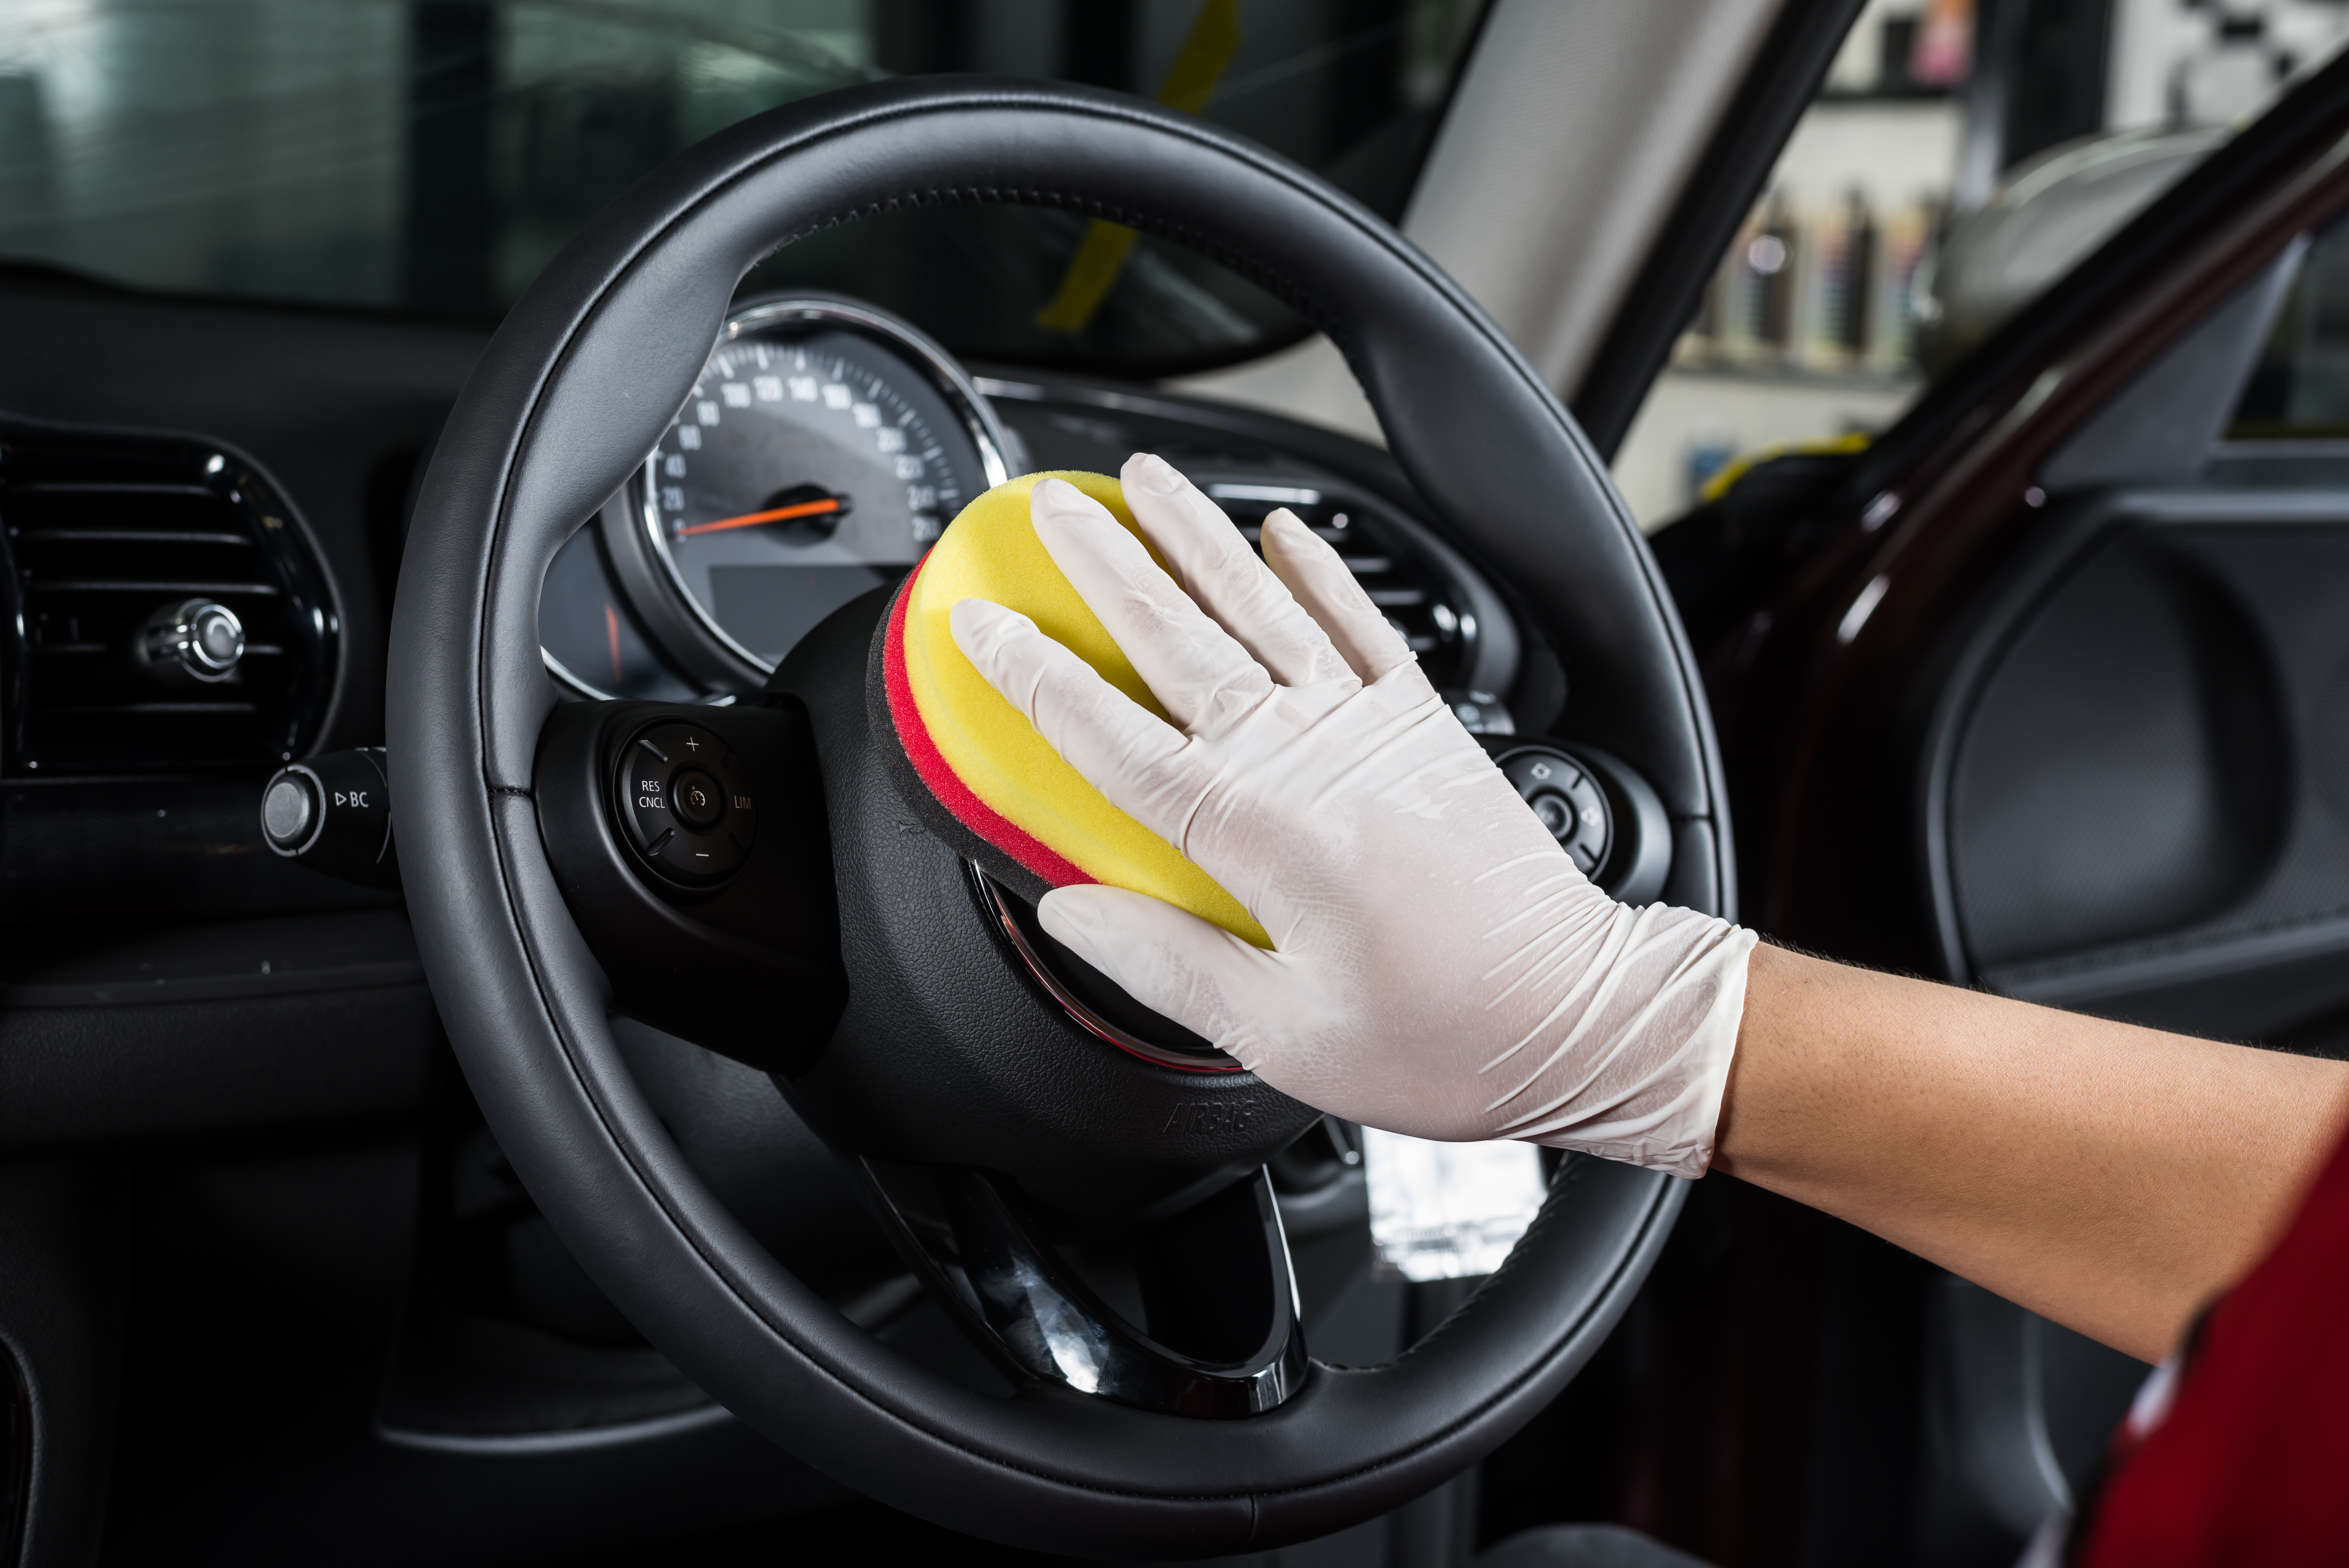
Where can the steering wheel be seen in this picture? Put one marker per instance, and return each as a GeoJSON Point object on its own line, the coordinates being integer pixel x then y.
{"type": "Point", "coordinates": [999, 1133]}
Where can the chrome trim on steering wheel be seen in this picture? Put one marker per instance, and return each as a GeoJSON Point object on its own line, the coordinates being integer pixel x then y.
{"type": "Point", "coordinates": [1000, 904]}
{"type": "Point", "coordinates": [979, 1246]}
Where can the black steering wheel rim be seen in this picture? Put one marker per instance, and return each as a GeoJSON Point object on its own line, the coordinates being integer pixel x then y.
{"type": "Point", "coordinates": [579, 381]}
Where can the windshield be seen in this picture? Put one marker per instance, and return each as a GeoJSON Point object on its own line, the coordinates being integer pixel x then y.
{"type": "Point", "coordinates": [432, 155]}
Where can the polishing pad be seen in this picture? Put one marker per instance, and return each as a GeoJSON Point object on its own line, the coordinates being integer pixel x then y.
{"type": "Point", "coordinates": [970, 764]}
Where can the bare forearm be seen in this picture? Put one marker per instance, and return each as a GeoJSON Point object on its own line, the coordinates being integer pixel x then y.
{"type": "Point", "coordinates": [2109, 1177]}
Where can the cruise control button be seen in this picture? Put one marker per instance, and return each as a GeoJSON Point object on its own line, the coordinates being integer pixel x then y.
{"type": "Point", "coordinates": [694, 795]}
{"type": "Point", "coordinates": [1567, 800]}
{"type": "Point", "coordinates": [686, 801]}
{"type": "Point", "coordinates": [1556, 813]}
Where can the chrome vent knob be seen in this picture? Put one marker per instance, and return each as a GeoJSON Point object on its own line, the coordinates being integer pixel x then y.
{"type": "Point", "coordinates": [201, 637]}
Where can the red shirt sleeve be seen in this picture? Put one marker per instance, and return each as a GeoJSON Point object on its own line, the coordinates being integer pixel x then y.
{"type": "Point", "coordinates": [2249, 1464]}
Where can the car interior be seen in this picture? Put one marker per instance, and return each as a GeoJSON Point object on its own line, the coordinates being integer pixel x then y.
{"type": "Point", "coordinates": [492, 1071]}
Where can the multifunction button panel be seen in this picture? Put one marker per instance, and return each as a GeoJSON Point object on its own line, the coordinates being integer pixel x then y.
{"type": "Point", "coordinates": [687, 803]}
{"type": "Point", "coordinates": [1568, 799]}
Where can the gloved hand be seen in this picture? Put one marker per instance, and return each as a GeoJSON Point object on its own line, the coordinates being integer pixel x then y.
{"type": "Point", "coordinates": [1440, 967]}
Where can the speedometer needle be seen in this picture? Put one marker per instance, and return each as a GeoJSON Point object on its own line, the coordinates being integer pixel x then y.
{"type": "Point", "coordinates": [823, 507]}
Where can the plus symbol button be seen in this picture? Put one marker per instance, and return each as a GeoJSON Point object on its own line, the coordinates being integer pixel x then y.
{"type": "Point", "coordinates": [691, 744]}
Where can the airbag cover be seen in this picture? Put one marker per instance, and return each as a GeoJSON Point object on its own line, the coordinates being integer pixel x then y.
{"type": "Point", "coordinates": [972, 766]}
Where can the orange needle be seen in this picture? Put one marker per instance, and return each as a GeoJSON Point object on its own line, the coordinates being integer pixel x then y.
{"type": "Point", "coordinates": [752, 519]}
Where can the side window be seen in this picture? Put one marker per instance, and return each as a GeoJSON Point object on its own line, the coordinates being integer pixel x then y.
{"type": "Point", "coordinates": [2300, 389]}
{"type": "Point", "coordinates": [1960, 158]}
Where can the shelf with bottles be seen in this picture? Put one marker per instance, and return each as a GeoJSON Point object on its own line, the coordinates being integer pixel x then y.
{"type": "Point", "coordinates": [1824, 292]}
{"type": "Point", "coordinates": [1858, 376]}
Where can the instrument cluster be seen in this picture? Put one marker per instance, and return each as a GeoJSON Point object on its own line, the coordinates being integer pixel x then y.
{"type": "Point", "coordinates": [824, 447]}
{"type": "Point", "coordinates": [827, 443]}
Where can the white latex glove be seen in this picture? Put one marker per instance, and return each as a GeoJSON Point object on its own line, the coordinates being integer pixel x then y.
{"type": "Point", "coordinates": [1440, 967]}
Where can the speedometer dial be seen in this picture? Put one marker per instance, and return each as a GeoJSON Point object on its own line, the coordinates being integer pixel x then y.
{"type": "Point", "coordinates": [824, 448]}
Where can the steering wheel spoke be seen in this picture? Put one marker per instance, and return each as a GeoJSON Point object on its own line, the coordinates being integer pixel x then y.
{"type": "Point", "coordinates": [689, 843]}
{"type": "Point", "coordinates": [1218, 1335]}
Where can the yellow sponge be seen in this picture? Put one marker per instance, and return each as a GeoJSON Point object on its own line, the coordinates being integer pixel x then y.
{"type": "Point", "coordinates": [972, 764]}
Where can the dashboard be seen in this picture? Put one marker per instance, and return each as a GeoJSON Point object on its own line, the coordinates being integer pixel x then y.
{"type": "Point", "coordinates": [178, 472]}
{"type": "Point", "coordinates": [202, 514]}
{"type": "Point", "coordinates": [827, 443]}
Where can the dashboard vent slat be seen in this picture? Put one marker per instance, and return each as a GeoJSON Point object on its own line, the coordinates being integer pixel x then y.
{"type": "Point", "coordinates": [1414, 591]}
{"type": "Point", "coordinates": [105, 536]}
{"type": "Point", "coordinates": [131, 536]}
{"type": "Point", "coordinates": [217, 590]}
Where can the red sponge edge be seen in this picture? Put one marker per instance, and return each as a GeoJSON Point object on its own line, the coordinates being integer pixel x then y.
{"type": "Point", "coordinates": [946, 805]}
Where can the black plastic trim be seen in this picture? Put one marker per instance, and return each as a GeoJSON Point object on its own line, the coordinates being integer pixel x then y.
{"type": "Point", "coordinates": [2105, 976]}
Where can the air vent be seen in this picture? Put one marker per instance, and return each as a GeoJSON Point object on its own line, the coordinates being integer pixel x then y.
{"type": "Point", "coordinates": [1419, 599]}
{"type": "Point", "coordinates": [166, 611]}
